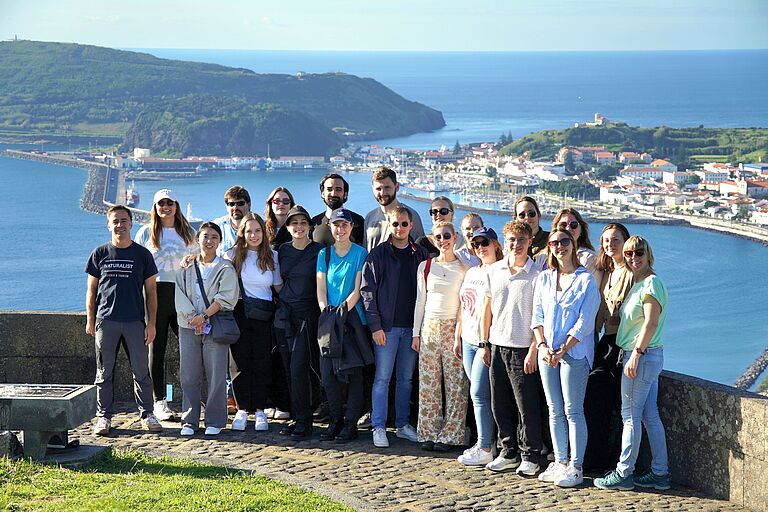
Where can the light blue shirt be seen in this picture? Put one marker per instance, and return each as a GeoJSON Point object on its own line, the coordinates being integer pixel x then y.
{"type": "Point", "coordinates": [228, 234]}
{"type": "Point", "coordinates": [571, 314]}
{"type": "Point", "coordinates": [341, 273]}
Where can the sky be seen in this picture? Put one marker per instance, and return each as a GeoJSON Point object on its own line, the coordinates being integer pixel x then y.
{"type": "Point", "coordinates": [393, 25]}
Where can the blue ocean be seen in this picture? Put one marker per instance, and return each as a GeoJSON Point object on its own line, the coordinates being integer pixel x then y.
{"type": "Point", "coordinates": [716, 324]}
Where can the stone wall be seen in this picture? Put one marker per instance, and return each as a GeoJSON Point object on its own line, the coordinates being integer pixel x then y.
{"type": "Point", "coordinates": [717, 435]}
{"type": "Point", "coordinates": [53, 348]}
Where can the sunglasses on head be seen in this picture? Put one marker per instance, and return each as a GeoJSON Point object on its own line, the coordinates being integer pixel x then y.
{"type": "Point", "coordinates": [481, 243]}
{"type": "Point", "coordinates": [563, 242]}
{"type": "Point", "coordinates": [445, 236]}
{"type": "Point", "coordinates": [573, 225]}
{"type": "Point", "coordinates": [530, 213]}
{"type": "Point", "coordinates": [285, 200]}
{"type": "Point", "coordinates": [236, 203]}
{"type": "Point", "coordinates": [397, 224]}
{"type": "Point", "coordinates": [637, 252]}
{"type": "Point", "coordinates": [441, 211]}
{"type": "Point", "coordinates": [166, 202]}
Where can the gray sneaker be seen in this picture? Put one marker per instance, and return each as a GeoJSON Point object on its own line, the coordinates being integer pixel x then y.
{"type": "Point", "coordinates": [103, 424]}
{"type": "Point", "coordinates": [502, 463]}
{"type": "Point", "coordinates": [380, 438]}
{"type": "Point", "coordinates": [151, 424]}
{"type": "Point", "coordinates": [407, 432]}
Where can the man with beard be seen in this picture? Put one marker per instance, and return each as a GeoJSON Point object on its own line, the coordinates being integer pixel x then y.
{"type": "Point", "coordinates": [334, 190]}
{"type": "Point", "coordinates": [377, 227]}
{"type": "Point", "coordinates": [238, 202]}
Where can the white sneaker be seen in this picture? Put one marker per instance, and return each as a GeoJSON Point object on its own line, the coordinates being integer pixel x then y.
{"type": "Point", "coordinates": [281, 415]}
{"type": "Point", "coordinates": [151, 424]}
{"type": "Point", "coordinates": [162, 411]}
{"type": "Point", "coordinates": [470, 449]}
{"type": "Point", "coordinates": [103, 424]}
{"type": "Point", "coordinates": [212, 431]}
{"type": "Point", "coordinates": [364, 421]}
{"type": "Point", "coordinates": [527, 468]}
{"type": "Point", "coordinates": [570, 478]}
{"type": "Point", "coordinates": [240, 420]}
{"type": "Point", "coordinates": [502, 463]}
{"type": "Point", "coordinates": [187, 431]}
{"type": "Point", "coordinates": [553, 472]}
{"type": "Point", "coordinates": [407, 432]}
{"type": "Point", "coordinates": [380, 438]}
{"type": "Point", "coordinates": [269, 412]}
{"type": "Point", "coordinates": [260, 423]}
{"type": "Point", "coordinates": [476, 457]}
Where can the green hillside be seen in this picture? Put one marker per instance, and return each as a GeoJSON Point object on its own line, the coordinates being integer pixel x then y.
{"type": "Point", "coordinates": [680, 145]}
{"type": "Point", "coordinates": [58, 88]}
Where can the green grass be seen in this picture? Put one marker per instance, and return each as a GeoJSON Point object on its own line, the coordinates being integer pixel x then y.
{"type": "Point", "coordinates": [132, 481]}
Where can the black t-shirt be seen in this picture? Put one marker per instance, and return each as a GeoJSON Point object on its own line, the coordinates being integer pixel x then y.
{"type": "Point", "coordinates": [406, 287]}
{"type": "Point", "coordinates": [298, 270]}
{"type": "Point", "coordinates": [121, 274]}
{"type": "Point", "coordinates": [282, 236]}
{"type": "Point", "coordinates": [539, 242]}
{"type": "Point", "coordinates": [321, 232]}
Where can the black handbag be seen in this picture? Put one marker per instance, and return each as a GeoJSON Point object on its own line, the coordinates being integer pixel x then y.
{"type": "Point", "coordinates": [256, 309]}
{"type": "Point", "coordinates": [224, 328]}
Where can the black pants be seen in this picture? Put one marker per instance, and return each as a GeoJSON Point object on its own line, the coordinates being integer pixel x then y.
{"type": "Point", "coordinates": [336, 388]}
{"type": "Point", "coordinates": [300, 339]}
{"type": "Point", "coordinates": [166, 318]}
{"type": "Point", "coordinates": [515, 404]}
{"type": "Point", "coordinates": [252, 354]}
{"type": "Point", "coordinates": [602, 404]}
{"type": "Point", "coordinates": [278, 395]}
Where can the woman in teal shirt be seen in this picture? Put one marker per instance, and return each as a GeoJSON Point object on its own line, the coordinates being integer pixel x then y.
{"type": "Point", "coordinates": [643, 315]}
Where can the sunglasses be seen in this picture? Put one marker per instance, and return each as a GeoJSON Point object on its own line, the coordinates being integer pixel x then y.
{"type": "Point", "coordinates": [573, 225]}
{"type": "Point", "coordinates": [397, 224]}
{"type": "Point", "coordinates": [281, 201]}
{"type": "Point", "coordinates": [166, 202]}
{"type": "Point", "coordinates": [482, 243]}
{"type": "Point", "coordinates": [236, 203]}
{"type": "Point", "coordinates": [637, 252]}
{"type": "Point", "coordinates": [442, 211]}
{"type": "Point", "coordinates": [563, 242]}
{"type": "Point", "coordinates": [445, 236]}
{"type": "Point", "coordinates": [530, 213]}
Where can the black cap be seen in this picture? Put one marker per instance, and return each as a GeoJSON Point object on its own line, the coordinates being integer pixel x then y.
{"type": "Point", "coordinates": [340, 214]}
{"type": "Point", "coordinates": [485, 232]}
{"type": "Point", "coordinates": [297, 210]}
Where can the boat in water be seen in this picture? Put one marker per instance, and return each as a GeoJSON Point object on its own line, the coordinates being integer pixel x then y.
{"type": "Point", "coordinates": [132, 197]}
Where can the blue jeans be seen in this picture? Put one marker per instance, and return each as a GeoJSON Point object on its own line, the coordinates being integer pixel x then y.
{"type": "Point", "coordinates": [565, 387]}
{"type": "Point", "coordinates": [397, 349]}
{"type": "Point", "coordinates": [480, 391]}
{"type": "Point", "coordinates": [638, 403]}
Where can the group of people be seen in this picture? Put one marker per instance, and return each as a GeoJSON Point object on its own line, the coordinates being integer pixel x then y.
{"type": "Point", "coordinates": [534, 327]}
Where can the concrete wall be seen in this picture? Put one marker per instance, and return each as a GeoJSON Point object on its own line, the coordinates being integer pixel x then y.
{"type": "Point", "coordinates": [53, 348]}
{"type": "Point", "coordinates": [717, 435]}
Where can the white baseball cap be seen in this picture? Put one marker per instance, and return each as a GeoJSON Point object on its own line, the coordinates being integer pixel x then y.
{"type": "Point", "coordinates": [165, 193]}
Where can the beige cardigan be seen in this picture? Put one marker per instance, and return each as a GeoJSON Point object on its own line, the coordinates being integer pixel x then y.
{"type": "Point", "coordinates": [221, 286]}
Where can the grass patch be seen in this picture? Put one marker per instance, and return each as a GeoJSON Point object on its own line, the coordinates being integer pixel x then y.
{"type": "Point", "coordinates": [132, 481]}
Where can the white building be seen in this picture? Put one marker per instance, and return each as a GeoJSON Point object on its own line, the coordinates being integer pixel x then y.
{"type": "Point", "coordinates": [141, 153]}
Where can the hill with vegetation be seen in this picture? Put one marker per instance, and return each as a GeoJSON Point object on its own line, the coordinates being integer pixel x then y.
{"type": "Point", "coordinates": [680, 145]}
{"type": "Point", "coordinates": [73, 89]}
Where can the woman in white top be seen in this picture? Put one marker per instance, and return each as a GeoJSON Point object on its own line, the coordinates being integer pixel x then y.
{"type": "Point", "coordinates": [434, 325]}
{"type": "Point", "coordinates": [169, 238]}
{"type": "Point", "coordinates": [468, 345]}
{"type": "Point", "coordinates": [198, 353]}
{"type": "Point", "coordinates": [571, 219]}
{"type": "Point", "coordinates": [258, 273]}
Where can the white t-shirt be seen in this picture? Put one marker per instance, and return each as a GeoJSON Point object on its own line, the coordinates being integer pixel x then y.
{"type": "Point", "coordinates": [438, 297]}
{"type": "Point", "coordinates": [168, 257]}
{"type": "Point", "coordinates": [472, 295]}
{"type": "Point", "coordinates": [257, 283]}
{"type": "Point", "coordinates": [205, 273]}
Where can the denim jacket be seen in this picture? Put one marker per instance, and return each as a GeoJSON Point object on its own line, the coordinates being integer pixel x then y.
{"type": "Point", "coordinates": [573, 314]}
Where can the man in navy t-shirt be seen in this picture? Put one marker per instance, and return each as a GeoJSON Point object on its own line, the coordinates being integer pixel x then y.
{"type": "Point", "coordinates": [120, 273]}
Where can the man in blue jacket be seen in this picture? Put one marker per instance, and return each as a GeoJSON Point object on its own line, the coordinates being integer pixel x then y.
{"type": "Point", "coordinates": [389, 295]}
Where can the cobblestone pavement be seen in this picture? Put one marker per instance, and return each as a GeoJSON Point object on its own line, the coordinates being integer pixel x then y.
{"type": "Point", "coordinates": [399, 478]}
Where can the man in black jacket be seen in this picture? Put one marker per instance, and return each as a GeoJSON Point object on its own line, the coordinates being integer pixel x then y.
{"type": "Point", "coordinates": [334, 190]}
{"type": "Point", "coordinates": [388, 291]}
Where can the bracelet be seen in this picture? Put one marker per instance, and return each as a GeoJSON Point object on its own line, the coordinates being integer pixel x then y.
{"type": "Point", "coordinates": [639, 351]}
{"type": "Point", "coordinates": [544, 343]}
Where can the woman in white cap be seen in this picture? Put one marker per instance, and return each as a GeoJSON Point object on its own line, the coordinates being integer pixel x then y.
{"type": "Point", "coordinates": [169, 237]}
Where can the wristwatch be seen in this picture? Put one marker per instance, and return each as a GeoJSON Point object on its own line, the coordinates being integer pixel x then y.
{"type": "Point", "coordinates": [484, 344]}
{"type": "Point", "coordinates": [206, 317]}
{"type": "Point", "coordinates": [639, 352]}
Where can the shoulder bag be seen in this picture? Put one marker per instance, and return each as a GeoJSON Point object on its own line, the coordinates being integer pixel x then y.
{"type": "Point", "coordinates": [255, 308]}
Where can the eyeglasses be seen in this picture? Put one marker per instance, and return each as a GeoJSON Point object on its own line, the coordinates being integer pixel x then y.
{"type": "Point", "coordinates": [236, 203]}
{"type": "Point", "coordinates": [637, 252]}
{"type": "Point", "coordinates": [285, 200]}
{"type": "Point", "coordinates": [530, 213]}
{"type": "Point", "coordinates": [445, 236]}
{"type": "Point", "coordinates": [482, 243]}
{"type": "Point", "coordinates": [397, 224]}
{"type": "Point", "coordinates": [442, 211]}
{"type": "Point", "coordinates": [166, 202]}
{"type": "Point", "coordinates": [563, 242]}
{"type": "Point", "coordinates": [573, 225]}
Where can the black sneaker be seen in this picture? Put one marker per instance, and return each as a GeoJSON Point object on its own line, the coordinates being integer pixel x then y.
{"type": "Point", "coordinates": [301, 432]}
{"type": "Point", "coordinates": [333, 430]}
{"type": "Point", "coordinates": [321, 413]}
{"type": "Point", "coordinates": [287, 429]}
{"type": "Point", "coordinates": [348, 433]}
{"type": "Point", "coordinates": [427, 446]}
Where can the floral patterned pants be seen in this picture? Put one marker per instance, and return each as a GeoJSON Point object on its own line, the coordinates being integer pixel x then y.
{"type": "Point", "coordinates": [441, 372]}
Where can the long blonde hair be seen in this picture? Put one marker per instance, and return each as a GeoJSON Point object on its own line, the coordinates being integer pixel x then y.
{"type": "Point", "coordinates": [180, 224]}
{"type": "Point", "coordinates": [264, 256]}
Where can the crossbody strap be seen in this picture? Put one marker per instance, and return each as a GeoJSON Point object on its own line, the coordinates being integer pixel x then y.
{"type": "Point", "coordinates": [202, 288]}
